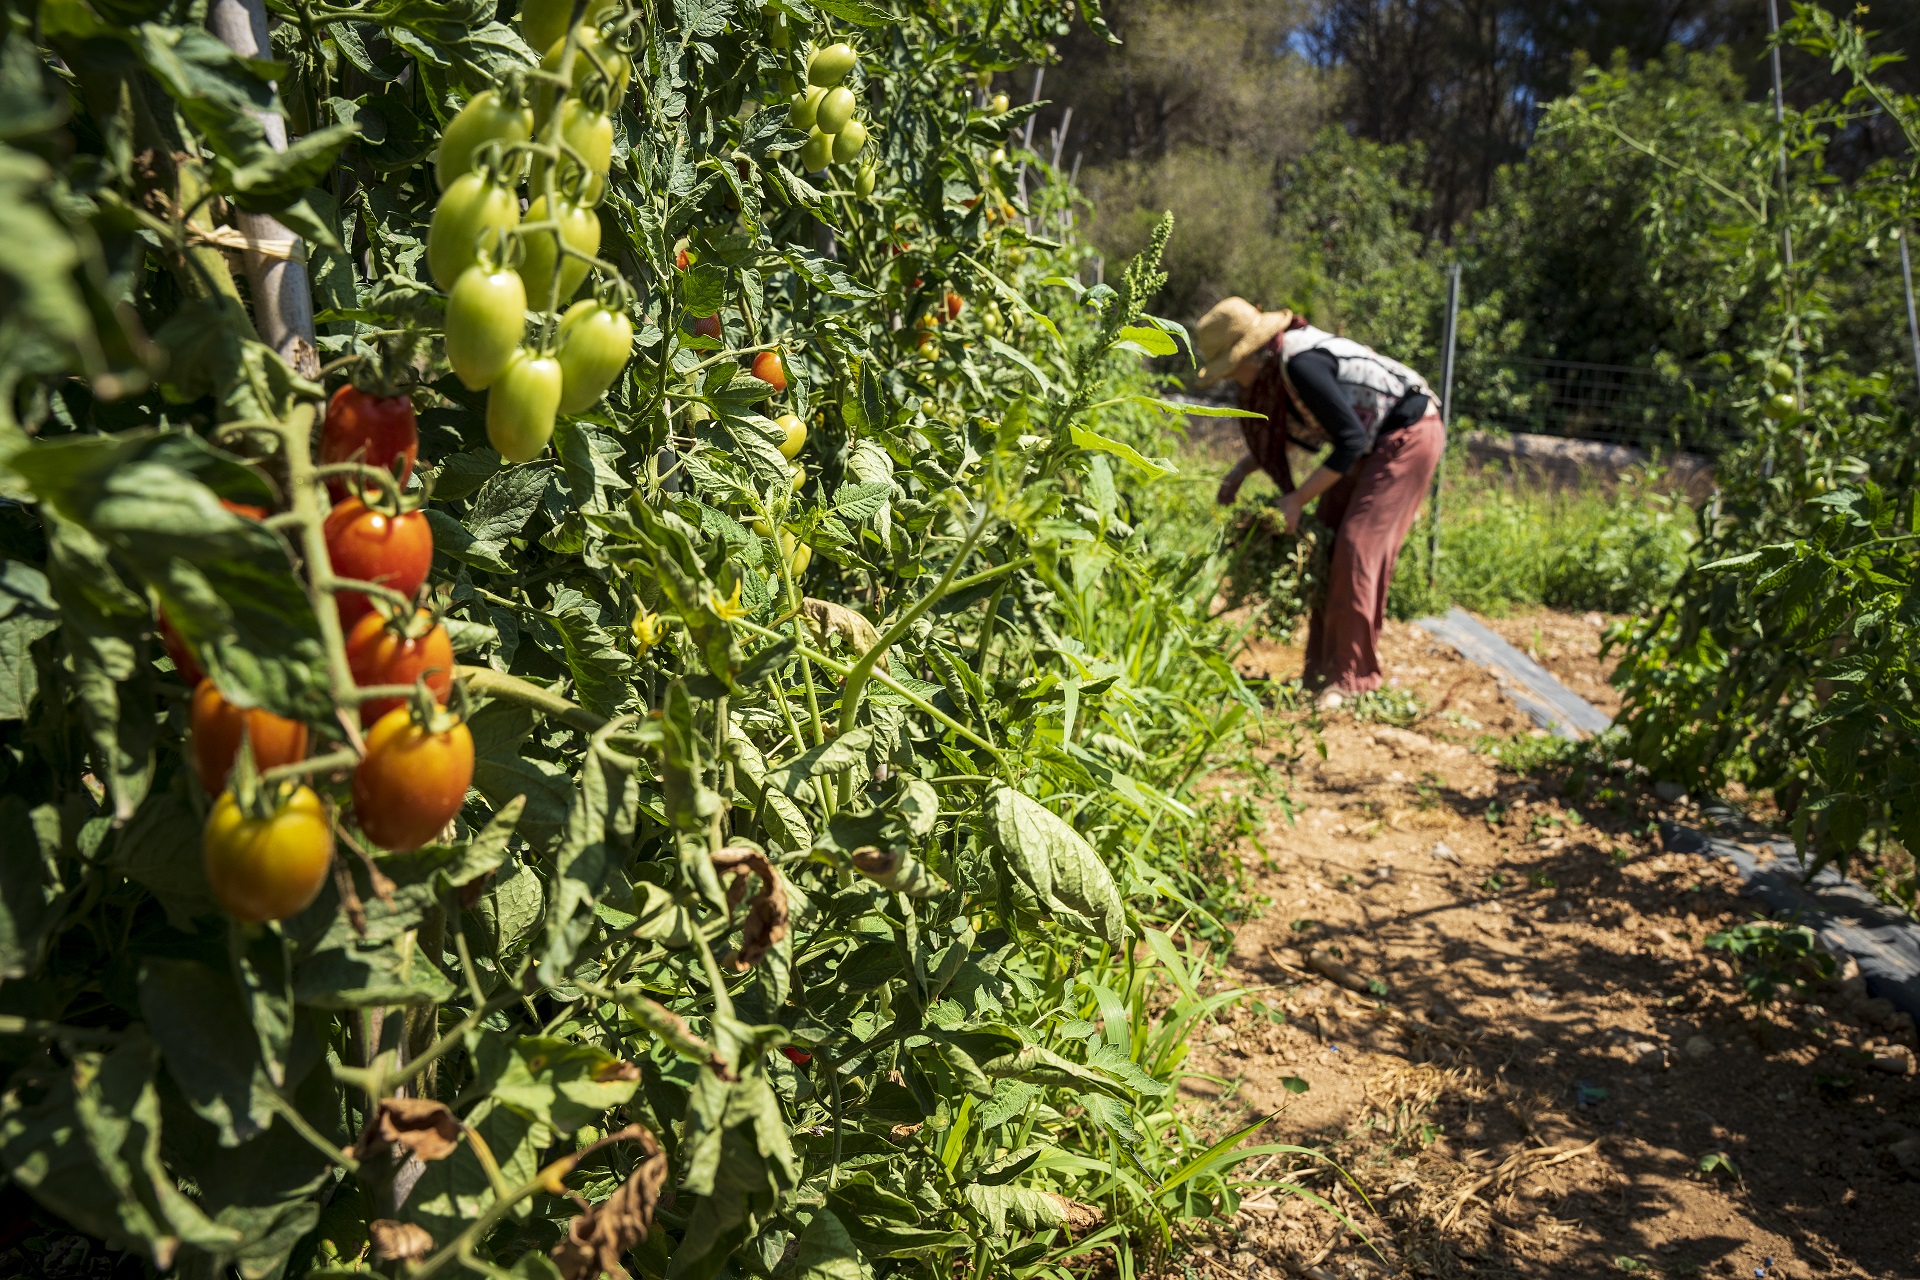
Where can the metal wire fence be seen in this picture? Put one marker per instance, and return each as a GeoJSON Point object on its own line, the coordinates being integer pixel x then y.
{"type": "Point", "coordinates": [1649, 408]}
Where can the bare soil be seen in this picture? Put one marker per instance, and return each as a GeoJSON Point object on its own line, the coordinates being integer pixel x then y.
{"type": "Point", "coordinates": [1544, 1071]}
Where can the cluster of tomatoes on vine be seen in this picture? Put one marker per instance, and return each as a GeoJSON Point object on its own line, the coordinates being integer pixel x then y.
{"type": "Point", "coordinates": [268, 842]}
{"type": "Point", "coordinates": [496, 262]}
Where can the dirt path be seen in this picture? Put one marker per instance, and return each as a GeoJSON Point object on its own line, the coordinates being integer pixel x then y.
{"type": "Point", "coordinates": [1556, 1053]}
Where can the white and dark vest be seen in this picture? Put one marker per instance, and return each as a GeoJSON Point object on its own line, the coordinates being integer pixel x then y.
{"type": "Point", "coordinates": [1371, 382]}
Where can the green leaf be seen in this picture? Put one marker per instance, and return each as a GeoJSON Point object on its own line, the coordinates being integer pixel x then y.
{"type": "Point", "coordinates": [267, 180]}
{"type": "Point", "coordinates": [827, 1252]}
{"type": "Point", "coordinates": [1153, 467]}
{"type": "Point", "coordinates": [200, 1021]}
{"type": "Point", "coordinates": [88, 1149]}
{"type": "Point", "coordinates": [1056, 862]}
{"type": "Point", "coordinates": [31, 901]}
{"type": "Point", "coordinates": [1026, 1208]}
{"type": "Point", "coordinates": [858, 12]}
{"type": "Point", "coordinates": [1037, 1065]}
{"type": "Point", "coordinates": [1147, 340]}
{"type": "Point", "coordinates": [561, 1083]}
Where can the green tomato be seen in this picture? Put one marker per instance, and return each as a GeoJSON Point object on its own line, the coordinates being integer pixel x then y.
{"type": "Point", "coordinates": [1779, 406]}
{"type": "Point", "coordinates": [849, 142]}
{"type": "Point", "coordinates": [485, 119]}
{"type": "Point", "coordinates": [590, 133]}
{"type": "Point", "coordinates": [579, 229]}
{"type": "Point", "coordinates": [794, 437]}
{"type": "Point", "coordinates": [829, 66]}
{"type": "Point", "coordinates": [818, 152]}
{"type": "Point", "coordinates": [863, 185]}
{"type": "Point", "coordinates": [486, 316]}
{"type": "Point", "coordinates": [1780, 375]}
{"type": "Point", "coordinates": [595, 345]}
{"type": "Point", "coordinates": [474, 208]}
{"type": "Point", "coordinates": [521, 405]}
{"type": "Point", "coordinates": [836, 108]}
{"type": "Point", "coordinates": [806, 108]}
{"type": "Point", "coordinates": [593, 52]}
{"type": "Point", "coordinates": [998, 105]}
{"type": "Point", "coordinates": [544, 21]}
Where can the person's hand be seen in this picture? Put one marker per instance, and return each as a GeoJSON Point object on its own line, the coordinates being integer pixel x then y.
{"type": "Point", "coordinates": [1291, 505]}
{"type": "Point", "coordinates": [1230, 484]}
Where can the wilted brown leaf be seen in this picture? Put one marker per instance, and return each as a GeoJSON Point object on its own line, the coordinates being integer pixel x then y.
{"type": "Point", "coordinates": [424, 1127]}
{"type": "Point", "coordinates": [398, 1241]}
{"type": "Point", "coordinates": [766, 922]}
{"type": "Point", "coordinates": [1079, 1217]}
{"type": "Point", "coordinates": [825, 618]}
{"type": "Point", "coordinates": [602, 1232]}
{"type": "Point", "coordinates": [621, 1071]}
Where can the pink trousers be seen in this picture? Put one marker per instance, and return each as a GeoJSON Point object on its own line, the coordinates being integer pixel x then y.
{"type": "Point", "coordinates": [1370, 512]}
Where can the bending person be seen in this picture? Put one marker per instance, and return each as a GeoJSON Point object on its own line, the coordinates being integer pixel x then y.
{"type": "Point", "coordinates": [1382, 422]}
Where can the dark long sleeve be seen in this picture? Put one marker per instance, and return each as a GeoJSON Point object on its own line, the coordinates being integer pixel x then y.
{"type": "Point", "coordinates": [1314, 378]}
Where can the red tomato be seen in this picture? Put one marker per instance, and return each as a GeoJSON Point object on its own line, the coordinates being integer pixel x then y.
{"type": "Point", "coordinates": [771, 369]}
{"type": "Point", "coordinates": [955, 305]}
{"type": "Point", "coordinates": [798, 1057]}
{"type": "Point", "coordinates": [706, 327]}
{"type": "Point", "coordinates": [215, 742]}
{"type": "Point", "coordinates": [376, 430]}
{"type": "Point", "coordinates": [680, 259]}
{"type": "Point", "coordinates": [378, 653]}
{"type": "Point", "coordinates": [245, 510]}
{"type": "Point", "coordinates": [411, 781]}
{"type": "Point", "coordinates": [394, 551]}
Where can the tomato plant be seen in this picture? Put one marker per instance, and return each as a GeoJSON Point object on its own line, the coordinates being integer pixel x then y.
{"type": "Point", "coordinates": [884, 759]}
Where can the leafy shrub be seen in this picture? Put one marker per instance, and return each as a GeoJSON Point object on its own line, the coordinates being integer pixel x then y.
{"type": "Point", "coordinates": [793, 910]}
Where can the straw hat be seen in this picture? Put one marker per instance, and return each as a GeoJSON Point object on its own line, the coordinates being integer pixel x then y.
{"type": "Point", "coordinates": [1233, 330]}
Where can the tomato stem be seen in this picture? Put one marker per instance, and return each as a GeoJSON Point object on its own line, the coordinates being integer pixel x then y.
{"type": "Point", "coordinates": [489, 683]}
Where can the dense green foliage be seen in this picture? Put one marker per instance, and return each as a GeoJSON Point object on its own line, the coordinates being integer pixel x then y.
{"type": "Point", "coordinates": [1787, 660]}
{"type": "Point", "coordinates": [806, 920]}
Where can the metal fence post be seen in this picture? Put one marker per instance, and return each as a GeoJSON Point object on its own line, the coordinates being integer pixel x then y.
{"type": "Point", "coordinates": [1446, 418]}
{"type": "Point", "coordinates": [1913, 317]}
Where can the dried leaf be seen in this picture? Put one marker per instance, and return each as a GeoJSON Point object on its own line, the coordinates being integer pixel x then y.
{"type": "Point", "coordinates": [1078, 1217]}
{"type": "Point", "coordinates": [767, 915]}
{"type": "Point", "coordinates": [602, 1232]}
{"type": "Point", "coordinates": [398, 1241]}
{"type": "Point", "coordinates": [825, 618]}
{"type": "Point", "coordinates": [424, 1127]}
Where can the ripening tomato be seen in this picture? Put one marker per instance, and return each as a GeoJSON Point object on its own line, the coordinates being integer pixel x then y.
{"type": "Point", "coordinates": [521, 405]}
{"type": "Point", "coordinates": [835, 109]}
{"type": "Point", "coordinates": [382, 652]}
{"type": "Point", "coordinates": [796, 435]}
{"type": "Point", "coordinates": [771, 369]}
{"type": "Point", "coordinates": [364, 543]}
{"type": "Point", "coordinates": [486, 119]}
{"type": "Point", "coordinates": [804, 112]}
{"type": "Point", "coordinates": [377, 431]}
{"type": "Point", "coordinates": [476, 208]}
{"type": "Point", "coordinates": [955, 305]}
{"type": "Point", "coordinates": [412, 781]}
{"type": "Point", "coordinates": [216, 726]}
{"type": "Point", "coordinates": [817, 154]}
{"type": "Point", "coordinates": [681, 259]}
{"type": "Point", "coordinates": [595, 344]}
{"type": "Point", "coordinates": [707, 327]}
{"type": "Point", "coordinates": [592, 53]}
{"type": "Point", "coordinates": [269, 868]}
{"type": "Point", "coordinates": [849, 142]}
{"type": "Point", "coordinates": [544, 21]}
{"type": "Point", "coordinates": [590, 133]}
{"type": "Point", "coordinates": [829, 66]}
{"type": "Point", "coordinates": [486, 316]}
{"type": "Point", "coordinates": [579, 230]}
